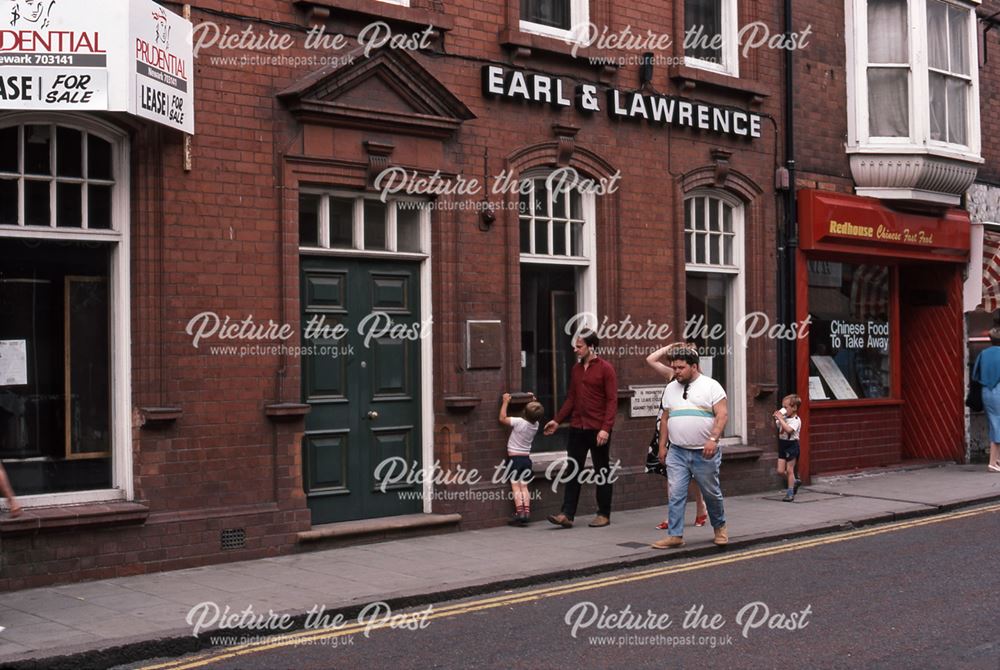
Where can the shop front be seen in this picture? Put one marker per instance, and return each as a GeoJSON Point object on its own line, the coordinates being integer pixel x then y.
{"type": "Point", "coordinates": [881, 372]}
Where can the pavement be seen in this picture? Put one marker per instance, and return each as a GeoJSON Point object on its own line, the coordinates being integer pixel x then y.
{"type": "Point", "coordinates": [116, 621]}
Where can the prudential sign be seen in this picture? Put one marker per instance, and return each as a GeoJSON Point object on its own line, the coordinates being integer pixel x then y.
{"type": "Point", "coordinates": [130, 55]}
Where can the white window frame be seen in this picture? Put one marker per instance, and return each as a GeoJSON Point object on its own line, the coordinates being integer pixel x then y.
{"type": "Point", "coordinates": [736, 309]}
{"type": "Point", "coordinates": [730, 65]}
{"type": "Point", "coordinates": [119, 273]}
{"type": "Point", "coordinates": [401, 3]}
{"type": "Point", "coordinates": [918, 142]}
{"type": "Point", "coordinates": [357, 247]}
{"type": "Point", "coordinates": [586, 281]}
{"type": "Point", "coordinates": [579, 18]}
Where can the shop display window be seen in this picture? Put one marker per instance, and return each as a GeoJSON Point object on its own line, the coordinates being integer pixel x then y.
{"type": "Point", "coordinates": [55, 382]}
{"type": "Point", "coordinates": [850, 332]}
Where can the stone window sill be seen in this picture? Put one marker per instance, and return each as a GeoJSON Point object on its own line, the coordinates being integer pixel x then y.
{"type": "Point", "coordinates": [69, 517]}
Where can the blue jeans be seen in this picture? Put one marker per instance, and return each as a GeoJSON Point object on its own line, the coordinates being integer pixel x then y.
{"type": "Point", "coordinates": [682, 465]}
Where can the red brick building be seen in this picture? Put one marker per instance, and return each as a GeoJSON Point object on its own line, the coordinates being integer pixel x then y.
{"type": "Point", "coordinates": [885, 164]}
{"type": "Point", "coordinates": [166, 415]}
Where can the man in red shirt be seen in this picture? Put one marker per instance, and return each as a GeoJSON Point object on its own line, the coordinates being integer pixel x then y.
{"type": "Point", "coordinates": [590, 405]}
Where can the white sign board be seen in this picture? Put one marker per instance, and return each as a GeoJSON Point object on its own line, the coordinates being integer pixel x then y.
{"type": "Point", "coordinates": [162, 65]}
{"type": "Point", "coordinates": [834, 378]}
{"type": "Point", "coordinates": [645, 400]}
{"type": "Point", "coordinates": [816, 391]}
{"type": "Point", "coordinates": [13, 362]}
{"type": "Point", "coordinates": [61, 55]}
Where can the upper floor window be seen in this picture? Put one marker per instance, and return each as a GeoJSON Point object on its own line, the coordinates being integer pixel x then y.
{"type": "Point", "coordinates": [555, 18]}
{"type": "Point", "coordinates": [914, 75]}
{"type": "Point", "coordinates": [711, 35]}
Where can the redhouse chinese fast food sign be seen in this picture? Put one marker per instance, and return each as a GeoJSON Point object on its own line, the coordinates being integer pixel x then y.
{"type": "Point", "coordinates": [129, 55]}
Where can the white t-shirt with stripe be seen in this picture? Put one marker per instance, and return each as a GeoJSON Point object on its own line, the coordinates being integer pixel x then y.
{"type": "Point", "coordinates": [691, 419]}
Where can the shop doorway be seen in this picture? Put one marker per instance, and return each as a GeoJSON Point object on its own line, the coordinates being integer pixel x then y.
{"type": "Point", "coordinates": [363, 383]}
{"type": "Point", "coordinates": [932, 357]}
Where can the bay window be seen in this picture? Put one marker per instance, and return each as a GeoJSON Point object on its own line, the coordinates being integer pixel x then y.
{"type": "Point", "coordinates": [913, 98]}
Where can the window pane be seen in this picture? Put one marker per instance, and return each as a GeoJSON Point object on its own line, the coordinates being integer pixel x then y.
{"type": "Point", "coordinates": [56, 299]}
{"type": "Point", "coordinates": [707, 307]}
{"type": "Point", "coordinates": [540, 195]}
{"type": "Point", "coordinates": [888, 102]}
{"type": "Point", "coordinates": [541, 237]}
{"type": "Point", "coordinates": [688, 247]}
{"type": "Point", "coordinates": [69, 152]}
{"type": "Point", "coordinates": [341, 223]}
{"type": "Point", "coordinates": [849, 336]}
{"type": "Point", "coordinates": [887, 26]}
{"type": "Point", "coordinates": [727, 249]}
{"type": "Point", "coordinates": [937, 35]}
{"type": "Point", "coordinates": [69, 205]}
{"type": "Point", "coordinates": [9, 150]}
{"type": "Point", "coordinates": [699, 248]}
{"type": "Point", "coordinates": [524, 204]}
{"type": "Point", "coordinates": [375, 212]}
{"type": "Point", "coordinates": [959, 28]}
{"type": "Point", "coordinates": [8, 202]}
{"type": "Point", "coordinates": [309, 219]}
{"type": "Point", "coordinates": [727, 218]}
{"type": "Point", "coordinates": [703, 30]}
{"type": "Point", "coordinates": [957, 96]}
{"type": "Point", "coordinates": [408, 229]}
{"type": "Point", "coordinates": [936, 104]}
{"type": "Point", "coordinates": [689, 214]}
{"type": "Point", "coordinates": [98, 206]}
{"type": "Point", "coordinates": [553, 13]}
{"type": "Point", "coordinates": [36, 203]}
{"type": "Point", "coordinates": [713, 214]}
{"type": "Point", "coordinates": [36, 150]}
{"type": "Point", "coordinates": [99, 161]}
{"type": "Point", "coordinates": [713, 249]}
{"type": "Point", "coordinates": [559, 230]}
{"type": "Point", "coordinates": [575, 205]}
{"type": "Point", "coordinates": [525, 236]}
{"type": "Point", "coordinates": [699, 213]}
{"type": "Point", "coordinates": [559, 206]}
{"type": "Point", "coordinates": [576, 239]}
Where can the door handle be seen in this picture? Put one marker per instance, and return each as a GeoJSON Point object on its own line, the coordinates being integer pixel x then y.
{"type": "Point", "coordinates": [373, 415]}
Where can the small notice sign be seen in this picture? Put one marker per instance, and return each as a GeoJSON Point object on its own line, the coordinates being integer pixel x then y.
{"type": "Point", "coordinates": [13, 362]}
{"type": "Point", "coordinates": [645, 400]}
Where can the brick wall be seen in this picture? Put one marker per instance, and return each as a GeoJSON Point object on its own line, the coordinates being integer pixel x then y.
{"type": "Point", "coordinates": [856, 437]}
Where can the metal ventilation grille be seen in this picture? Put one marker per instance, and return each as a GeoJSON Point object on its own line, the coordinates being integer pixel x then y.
{"type": "Point", "coordinates": [234, 538]}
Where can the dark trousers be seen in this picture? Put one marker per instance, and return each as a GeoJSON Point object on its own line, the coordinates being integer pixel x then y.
{"type": "Point", "coordinates": [581, 441]}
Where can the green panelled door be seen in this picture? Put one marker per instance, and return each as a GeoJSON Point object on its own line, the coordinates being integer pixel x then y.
{"type": "Point", "coordinates": [362, 380]}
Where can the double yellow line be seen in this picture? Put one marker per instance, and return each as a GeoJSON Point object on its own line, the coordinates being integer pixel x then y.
{"type": "Point", "coordinates": [458, 609]}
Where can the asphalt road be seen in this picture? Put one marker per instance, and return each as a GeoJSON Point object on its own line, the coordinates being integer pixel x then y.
{"type": "Point", "coordinates": [921, 594]}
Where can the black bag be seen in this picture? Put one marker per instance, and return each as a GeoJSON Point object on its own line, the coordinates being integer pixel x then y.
{"type": "Point", "coordinates": [974, 398]}
{"type": "Point", "coordinates": [653, 465]}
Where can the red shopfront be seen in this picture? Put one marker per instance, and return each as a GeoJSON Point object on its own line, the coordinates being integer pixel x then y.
{"type": "Point", "coordinates": [881, 373]}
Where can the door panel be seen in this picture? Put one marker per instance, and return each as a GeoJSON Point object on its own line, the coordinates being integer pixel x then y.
{"type": "Point", "coordinates": [364, 388]}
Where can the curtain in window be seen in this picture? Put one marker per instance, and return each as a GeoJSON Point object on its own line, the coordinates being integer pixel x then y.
{"type": "Point", "coordinates": [888, 87]}
{"type": "Point", "coordinates": [705, 15]}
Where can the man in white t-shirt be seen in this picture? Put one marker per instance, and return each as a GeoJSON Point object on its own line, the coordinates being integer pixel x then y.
{"type": "Point", "coordinates": [694, 416]}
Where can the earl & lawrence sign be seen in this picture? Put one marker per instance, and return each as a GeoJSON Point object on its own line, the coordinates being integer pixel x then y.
{"type": "Point", "coordinates": [127, 55]}
{"type": "Point", "coordinates": [502, 82]}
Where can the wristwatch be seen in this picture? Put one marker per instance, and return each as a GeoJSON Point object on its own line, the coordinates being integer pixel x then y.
{"type": "Point", "coordinates": [713, 439]}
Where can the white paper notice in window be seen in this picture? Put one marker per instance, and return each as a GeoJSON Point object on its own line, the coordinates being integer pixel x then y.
{"type": "Point", "coordinates": [13, 362]}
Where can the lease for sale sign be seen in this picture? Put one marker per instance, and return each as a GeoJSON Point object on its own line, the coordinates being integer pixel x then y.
{"type": "Point", "coordinates": [52, 57]}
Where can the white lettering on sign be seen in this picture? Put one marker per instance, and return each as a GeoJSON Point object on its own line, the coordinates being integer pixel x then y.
{"type": "Point", "coordinates": [501, 82]}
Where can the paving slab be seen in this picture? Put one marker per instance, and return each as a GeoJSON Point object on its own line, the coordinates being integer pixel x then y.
{"type": "Point", "coordinates": [131, 612]}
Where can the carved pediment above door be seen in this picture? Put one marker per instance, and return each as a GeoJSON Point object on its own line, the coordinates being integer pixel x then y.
{"type": "Point", "coordinates": [388, 91]}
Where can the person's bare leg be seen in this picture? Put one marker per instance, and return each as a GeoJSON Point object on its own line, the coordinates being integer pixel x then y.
{"type": "Point", "coordinates": [8, 493]}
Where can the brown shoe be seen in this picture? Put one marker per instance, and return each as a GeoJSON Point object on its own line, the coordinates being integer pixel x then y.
{"type": "Point", "coordinates": [721, 536]}
{"type": "Point", "coordinates": [600, 521]}
{"type": "Point", "coordinates": [669, 542]}
{"type": "Point", "coordinates": [561, 520]}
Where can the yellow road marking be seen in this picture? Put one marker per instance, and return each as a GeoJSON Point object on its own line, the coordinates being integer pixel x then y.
{"type": "Point", "coordinates": [310, 636]}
